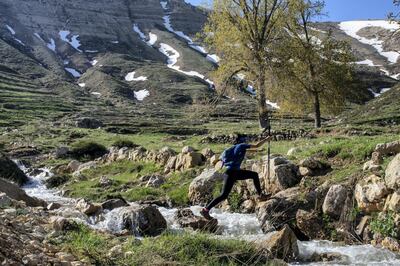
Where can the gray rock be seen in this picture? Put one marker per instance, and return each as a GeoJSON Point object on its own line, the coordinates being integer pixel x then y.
{"type": "Point", "coordinates": [282, 207]}
{"type": "Point", "coordinates": [370, 193]}
{"type": "Point", "coordinates": [187, 149]}
{"type": "Point", "coordinates": [282, 244]}
{"type": "Point", "coordinates": [87, 207]}
{"type": "Point", "coordinates": [114, 203]}
{"type": "Point", "coordinates": [284, 174]}
{"type": "Point", "coordinates": [16, 193]}
{"type": "Point", "coordinates": [202, 187]}
{"type": "Point", "coordinates": [143, 220]}
{"type": "Point", "coordinates": [390, 148]}
{"type": "Point", "coordinates": [335, 201]}
{"type": "Point", "coordinates": [186, 218]}
{"type": "Point", "coordinates": [10, 171]}
{"type": "Point", "coordinates": [392, 173]}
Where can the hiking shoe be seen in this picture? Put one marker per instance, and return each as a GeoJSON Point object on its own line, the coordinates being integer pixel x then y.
{"type": "Point", "coordinates": [263, 197]}
{"type": "Point", "coordinates": [206, 214]}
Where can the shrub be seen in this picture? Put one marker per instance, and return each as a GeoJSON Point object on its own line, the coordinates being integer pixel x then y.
{"type": "Point", "coordinates": [88, 149]}
{"type": "Point", "coordinates": [124, 143]}
{"type": "Point", "coordinates": [384, 225]}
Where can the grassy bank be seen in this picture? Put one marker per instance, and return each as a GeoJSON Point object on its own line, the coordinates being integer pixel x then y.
{"type": "Point", "coordinates": [167, 249]}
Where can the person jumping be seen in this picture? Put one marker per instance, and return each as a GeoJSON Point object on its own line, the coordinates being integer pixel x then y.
{"type": "Point", "coordinates": [232, 159]}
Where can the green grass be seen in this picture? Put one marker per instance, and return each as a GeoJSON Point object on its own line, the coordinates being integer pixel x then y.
{"type": "Point", "coordinates": [126, 182]}
{"type": "Point", "coordinates": [167, 249]}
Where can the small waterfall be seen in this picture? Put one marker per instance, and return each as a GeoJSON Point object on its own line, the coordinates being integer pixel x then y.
{"type": "Point", "coordinates": [36, 187]}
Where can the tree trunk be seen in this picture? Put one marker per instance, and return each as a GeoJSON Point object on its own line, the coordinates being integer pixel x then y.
{"type": "Point", "coordinates": [263, 115]}
{"type": "Point", "coordinates": [317, 110]}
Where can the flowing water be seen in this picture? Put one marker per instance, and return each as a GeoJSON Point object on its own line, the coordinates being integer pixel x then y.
{"type": "Point", "coordinates": [233, 225]}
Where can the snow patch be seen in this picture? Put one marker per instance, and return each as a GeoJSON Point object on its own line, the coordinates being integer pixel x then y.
{"type": "Point", "coordinates": [38, 36]}
{"type": "Point", "coordinates": [396, 76]}
{"type": "Point", "coordinates": [91, 51]}
{"type": "Point", "coordinates": [82, 85]}
{"type": "Point", "coordinates": [94, 62]}
{"type": "Point", "coordinates": [164, 5]}
{"type": "Point", "coordinates": [173, 56]}
{"type": "Point", "coordinates": [138, 31]}
{"type": "Point", "coordinates": [11, 30]}
{"type": "Point", "coordinates": [96, 93]}
{"type": "Point", "coordinates": [152, 39]}
{"type": "Point", "coordinates": [366, 62]}
{"type": "Point", "coordinates": [140, 95]}
{"type": "Point", "coordinates": [115, 42]}
{"type": "Point", "coordinates": [73, 72]}
{"type": "Point", "coordinates": [213, 58]}
{"type": "Point", "coordinates": [351, 28]}
{"type": "Point", "coordinates": [73, 41]}
{"type": "Point", "coordinates": [19, 41]}
{"type": "Point", "coordinates": [131, 77]}
{"type": "Point", "coordinates": [52, 45]}
{"type": "Point", "coordinates": [382, 91]}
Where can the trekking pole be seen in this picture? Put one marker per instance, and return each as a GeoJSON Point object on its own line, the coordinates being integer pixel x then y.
{"type": "Point", "coordinates": [269, 145]}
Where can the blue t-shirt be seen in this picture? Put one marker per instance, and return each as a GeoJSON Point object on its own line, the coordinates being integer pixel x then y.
{"type": "Point", "coordinates": [239, 153]}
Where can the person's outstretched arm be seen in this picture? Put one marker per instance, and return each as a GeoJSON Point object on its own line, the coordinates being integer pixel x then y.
{"type": "Point", "coordinates": [254, 147]}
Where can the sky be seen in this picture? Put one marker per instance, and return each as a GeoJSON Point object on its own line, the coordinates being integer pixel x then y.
{"type": "Point", "coordinates": [342, 10]}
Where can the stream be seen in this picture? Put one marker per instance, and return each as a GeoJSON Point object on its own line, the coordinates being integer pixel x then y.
{"type": "Point", "coordinates": [234, 225]}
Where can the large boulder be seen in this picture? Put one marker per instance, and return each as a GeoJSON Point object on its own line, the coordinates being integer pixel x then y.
{"type": "Point", "coordinates": [187, 219]}
{"type": "Point", "coordinates": [143, 220]}
{"type": "Point", "coordinates": [282, 208]}
{"type": "Point", "coordinates": [87, 122]}
{"type": "Point", "coordinates": [334, 201]}
{"type": "Point", "coordinates": [282, 244]}
{"type": "Point", "coordinates": [283, 174]}
{"type": "Point", "coordinates": [10, 171]}
{"type": "Point", "coordinates": [189, 160]}
{"type": "Point", "coordinates": [202, 187]}
{"type": "Point", "coordinates": [392, 174]}
{"type": "Point", "coordinates": [369, 194]}
{"type": "Point", "coordinates": [16, 193]}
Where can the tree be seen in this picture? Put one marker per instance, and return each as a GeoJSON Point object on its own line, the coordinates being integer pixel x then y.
{"type": "Point", "coordinates": [395, 16]}
{"type": "Point", "coordinates": [314, 71]}
{"type": "Point", "coordinates": [244, 34]}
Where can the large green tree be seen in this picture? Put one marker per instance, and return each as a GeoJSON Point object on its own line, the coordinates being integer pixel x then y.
{"type": "Point", "coordinates": [315, 69]}
{"type": "Point", "coordinates": [244, 33]}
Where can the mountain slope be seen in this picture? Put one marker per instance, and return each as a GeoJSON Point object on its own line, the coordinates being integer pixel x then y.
{"type": "Point", "coordinates": [135, 61]}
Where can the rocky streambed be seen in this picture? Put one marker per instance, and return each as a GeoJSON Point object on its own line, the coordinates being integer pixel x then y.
{"type": "Point", "coordinates": [231, 225]}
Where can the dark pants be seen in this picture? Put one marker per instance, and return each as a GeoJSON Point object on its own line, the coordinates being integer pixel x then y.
{"type": "Point", "coordinates": [229, 181]}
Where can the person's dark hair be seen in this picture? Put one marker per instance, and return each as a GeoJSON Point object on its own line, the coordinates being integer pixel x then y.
{"type": "Point", "coordinates": [240, 139]}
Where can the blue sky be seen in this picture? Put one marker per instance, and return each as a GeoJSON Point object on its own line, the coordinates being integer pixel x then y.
{"type": "Point", "coordinates": [341, 10]}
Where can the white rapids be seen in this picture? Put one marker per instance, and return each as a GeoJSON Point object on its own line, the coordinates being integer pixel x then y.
{"type": "Point", "coordinates": [233, 225]}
